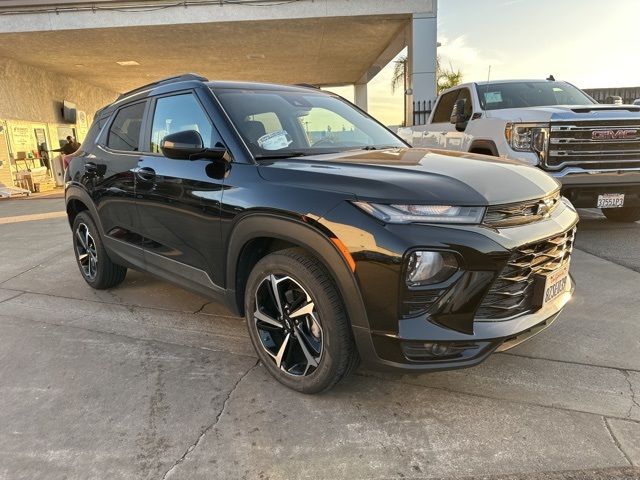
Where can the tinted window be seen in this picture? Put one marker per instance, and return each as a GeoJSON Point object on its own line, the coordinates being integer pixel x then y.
{"type": "Point", "coordinates": [177, 114]}
{"type": "Point", "coordinates": [496, 96]}
{"type": "Point", "coordinates": [445, 107]}
{"type": "Point", "coordinates": [124, 133]}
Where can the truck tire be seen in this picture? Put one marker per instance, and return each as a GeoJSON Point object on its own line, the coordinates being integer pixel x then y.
{"type": "Point", "coordinates": [623, 215]}
{"type": "Point", "coordinates": [96, 267]}
{"type": "Point", "coordinates": [297, 322]}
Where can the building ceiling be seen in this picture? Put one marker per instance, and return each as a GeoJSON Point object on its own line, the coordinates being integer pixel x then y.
{"type": "Point", "coordinates": [323, 51]}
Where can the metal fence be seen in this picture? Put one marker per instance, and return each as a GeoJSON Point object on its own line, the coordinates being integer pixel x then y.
{"type": "Point", "coordinates": [421, 111]}
{"type": "Point", "coordinates": [628, 94]}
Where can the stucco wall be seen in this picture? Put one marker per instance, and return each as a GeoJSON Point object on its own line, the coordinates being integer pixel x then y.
{"type": "Point", "coordinates": [33, 94]}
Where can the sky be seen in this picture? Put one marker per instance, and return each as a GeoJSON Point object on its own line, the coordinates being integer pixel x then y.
{"type": "Point", "coordinates": [590, 43]}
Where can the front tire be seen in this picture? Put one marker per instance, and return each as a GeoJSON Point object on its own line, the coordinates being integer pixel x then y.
{"type": "Point", "coordinates": [622, 215]}
{"type": "Point", "coordinates": [96, 267]}
{"type": "Point", "coordinates": [297, 322]}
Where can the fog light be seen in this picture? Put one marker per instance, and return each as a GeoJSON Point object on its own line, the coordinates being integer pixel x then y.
{"type": "Point", "coordinates": [437, 349]}
{"type": "Point", "coordinates": [426, 268]}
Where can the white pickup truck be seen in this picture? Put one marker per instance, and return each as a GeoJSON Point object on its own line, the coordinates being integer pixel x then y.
{"type": "Point", "coordinates": [592, 149]}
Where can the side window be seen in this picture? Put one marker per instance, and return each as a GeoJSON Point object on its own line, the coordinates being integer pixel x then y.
{"type": "Point", "coordinates": [445, 107]}
{"type": "Point", "coordinates": [124, 133]}
{"type": "Point", "coordinates": [465, 94]}
{"type": "Point", "coordinates": [269, 121]}
{"type": "Point", "coordinates": [177, 114]}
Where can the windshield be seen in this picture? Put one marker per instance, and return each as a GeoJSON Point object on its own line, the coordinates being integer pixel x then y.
{"type": "Point", "coordinates": [280, 124]}
{"type": "Point", "coordinates": [496, 96]}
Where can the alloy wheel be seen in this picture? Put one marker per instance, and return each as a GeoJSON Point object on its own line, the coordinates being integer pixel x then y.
{"type": "Point", "coordinates": [86, 250]}
{"type": "Point", "coordinates": [288, 325]}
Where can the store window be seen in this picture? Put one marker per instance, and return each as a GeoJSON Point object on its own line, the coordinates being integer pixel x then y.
{"type": "Point", "coordinates": [124, 133]}
{"type": "Point", "coordinates": [177, 114]}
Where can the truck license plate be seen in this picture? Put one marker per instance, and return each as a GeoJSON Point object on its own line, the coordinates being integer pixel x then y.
{"type": "Point", "coordinates": [552, 285]}
{"type": "Point", "coordinates": [610, 200]}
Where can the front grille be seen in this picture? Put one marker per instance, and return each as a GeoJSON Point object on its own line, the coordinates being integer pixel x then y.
{"type": "Point", "coordinates": [520, 213]}
{"type": "Point", "coordinates": [512, 292]}
{"type": "Point", "coordinates": [573, 144]}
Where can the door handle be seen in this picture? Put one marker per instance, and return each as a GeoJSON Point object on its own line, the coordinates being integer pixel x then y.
{"type": "Point", "coordinates": [146, 174]}
{"type": "Point", "coordinates": [90, 167]}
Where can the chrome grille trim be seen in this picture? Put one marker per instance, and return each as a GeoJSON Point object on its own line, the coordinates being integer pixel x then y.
{"type": "Point", "coordinates": [519, 213]}
{"type": "Point", "coordinates": [572, 144]}
{"type": "Point", "coordinates": [511, 294]}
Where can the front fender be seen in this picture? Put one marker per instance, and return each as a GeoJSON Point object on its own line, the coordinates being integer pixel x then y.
{"type": "Point", "coordinates": [319, 242]}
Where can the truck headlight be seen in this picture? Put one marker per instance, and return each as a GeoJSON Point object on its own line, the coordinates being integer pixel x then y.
{"type": "Point", "coordinates": [423, 213]}
{"type": "Point", "coordinates": [528, 137]}
{"type": "Point", "coordinates": [426, 267]}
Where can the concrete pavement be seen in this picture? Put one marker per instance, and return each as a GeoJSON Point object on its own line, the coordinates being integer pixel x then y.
{"type": "Point", "coordinates": [150, 381]}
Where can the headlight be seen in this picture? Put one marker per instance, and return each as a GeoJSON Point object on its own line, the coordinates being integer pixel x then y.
{"type": "Point", "coordinates": [422, 213]}
{"type": "Point", "coordinates": [425, 267]}
{"type": "Point", "coordinates": [527, 137]}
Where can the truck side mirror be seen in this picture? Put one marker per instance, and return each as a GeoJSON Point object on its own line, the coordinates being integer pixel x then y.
{"type": "Point", "coordinates": [458, 117]}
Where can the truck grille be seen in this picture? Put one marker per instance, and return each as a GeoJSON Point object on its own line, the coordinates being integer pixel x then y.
{"type": "Point", "coordinates": [512, 292]}
{"type": "Point", "coordinates": [615, 146]}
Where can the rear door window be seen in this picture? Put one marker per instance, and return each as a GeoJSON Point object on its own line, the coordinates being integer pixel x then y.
{"type": "Point", "coordinates": [124, 134]}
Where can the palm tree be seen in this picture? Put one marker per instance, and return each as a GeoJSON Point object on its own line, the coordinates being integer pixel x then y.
{"type": "Point", "coordinates": [445, 78]}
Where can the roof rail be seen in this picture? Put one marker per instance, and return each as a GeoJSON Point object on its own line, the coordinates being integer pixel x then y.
{"type": "Point", "coordinates": [165, 81]}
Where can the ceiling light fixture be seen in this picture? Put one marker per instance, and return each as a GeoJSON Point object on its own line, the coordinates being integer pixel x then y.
{"type": "Point", "coordinates": [255, 56]}
{"type": "Point", "coordinates": [127, 63]}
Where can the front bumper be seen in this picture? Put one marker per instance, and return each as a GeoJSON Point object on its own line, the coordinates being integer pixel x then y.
{"type": "Point", "coordinates": [582, 186]}
{"type": "Point", "coordinates": [388, 352]}
{"type": "Point", "coordinates": [389, 337]}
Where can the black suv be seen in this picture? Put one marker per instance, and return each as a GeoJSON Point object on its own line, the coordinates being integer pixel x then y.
{"type": "Point", "coordinates": [334, 239]}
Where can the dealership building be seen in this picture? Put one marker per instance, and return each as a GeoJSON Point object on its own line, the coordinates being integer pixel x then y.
{"type": "Point", "coordinates": [81, 54]}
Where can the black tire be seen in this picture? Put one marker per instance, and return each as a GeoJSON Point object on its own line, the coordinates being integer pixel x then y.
{"type": "Point", "coordinates": [100, 273]}
{"type": "Point", "coordinates": [326, 324]}
{"type": "Point", "coordinates": [622, 215]}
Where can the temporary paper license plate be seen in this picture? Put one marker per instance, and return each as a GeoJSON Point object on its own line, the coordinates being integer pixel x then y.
{"type": "Point", "coordinates": [610, 200]}
{"type": "Point", "coordinates": [553, 284]}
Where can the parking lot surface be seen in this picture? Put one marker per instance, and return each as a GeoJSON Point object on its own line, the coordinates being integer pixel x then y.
{"type": "Point", "coordinates": [150, 381]}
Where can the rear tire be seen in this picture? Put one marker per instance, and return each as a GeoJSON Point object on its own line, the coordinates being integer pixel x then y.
{"type": "Point", "coordinates": [622, 215]}
{"type": "Point", "coordinates": [297, 322]}
{"type": "Point", "coordinates": [96, 267]}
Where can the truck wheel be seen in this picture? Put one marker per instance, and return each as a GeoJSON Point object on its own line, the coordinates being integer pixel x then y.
{"type": "Point", "coordinates": [95, 265]}
{"type": "Point", "coordinates": [624, 214]}
{"type": "Point", "coordinates": [297, 322]}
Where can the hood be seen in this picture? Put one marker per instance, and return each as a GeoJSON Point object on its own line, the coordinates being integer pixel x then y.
{"type": "Point", "coordinates": [567, 113]}
{"type": "Point", "coordinates": [415, 175]}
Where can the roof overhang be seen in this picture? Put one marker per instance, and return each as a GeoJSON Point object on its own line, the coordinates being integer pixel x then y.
{"type": "Point", "coordinates": [322, 42]}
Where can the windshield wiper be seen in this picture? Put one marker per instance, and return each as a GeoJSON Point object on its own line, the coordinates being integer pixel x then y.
{"type": "Point", "coordinates": [276, 156]}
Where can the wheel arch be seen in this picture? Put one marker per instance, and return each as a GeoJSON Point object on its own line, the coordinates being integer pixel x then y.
{"type": "Point", "coordinates": [77, 200]}
{"type": "Point", "coordinates": [257, 235]}
{"type": "Point", "coordinates": [486, 147]}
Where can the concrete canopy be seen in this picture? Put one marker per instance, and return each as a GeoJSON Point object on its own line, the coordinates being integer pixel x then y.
{"type": "Point", "coordinates": [322, 51]}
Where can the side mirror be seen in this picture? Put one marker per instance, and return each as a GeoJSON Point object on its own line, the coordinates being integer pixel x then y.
{"type": "Point", "coordinates": [188, 145]}
{"type": "Point", "coordinates": [457, 115]}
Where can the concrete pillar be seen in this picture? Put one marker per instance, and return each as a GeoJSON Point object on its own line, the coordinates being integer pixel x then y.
{"type": "Point", "coordinates": [360, 95]}
{"type": "Point", "coordinates": [421, 67]}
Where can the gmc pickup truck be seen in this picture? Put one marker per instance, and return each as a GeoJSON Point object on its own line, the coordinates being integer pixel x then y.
{"type": "Point", "coordinates": [592, 149]}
